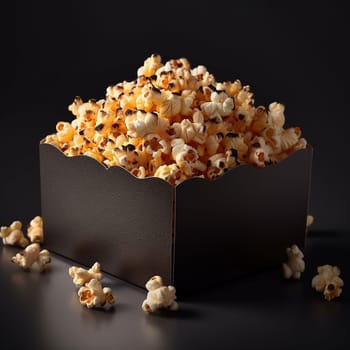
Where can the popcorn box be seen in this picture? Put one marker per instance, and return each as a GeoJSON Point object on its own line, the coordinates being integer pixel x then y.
{"type": "Point", "coordinates": [200, 233]}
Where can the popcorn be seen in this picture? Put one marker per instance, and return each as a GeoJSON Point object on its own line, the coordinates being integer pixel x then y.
{"type": "Point", "coordinates": [31, 256]}
{"type": "Point", "coordinates": [154, 143]}
{"type": "Point", "coordinates": [149, 98]}
{"type": "Point", "coordinates": [260, 120]}
{"type": "Point", "coordinates": [220, 163]}
{"type": "Point", "coordinates": [237, 144]}
{"type": "Point", "coordinates": [91, 292]}
{"type": "Point", "coordinates": [65, 132]}
{"type": "Point", "coordinates": [220, 106]}
{"type": "Point", "coordinates": [190, 131]}
{"type": "Point", "coordinates": [13, 235]}
{"type": "Point", "coordinates": [159, 296]}
{"type": "Point", "coordinates": [139, 172]}
{"type": "Point", "coordinates": [295, 264]}
{"type": "Point", "coordinates": [140, 123]}
{"type": "Point", "coordinates": [259, 153]}
{"type": "Point", "coordinates": [328, 281]}
{"type": "Point", "coordinates": [171, 173]}
{"type": "Point", "coordinates": [172, 101]}
{"type": "Point", "coordinates": [309, 220]}
{"type": "Point", "coordinates": [93, 295]}
{"type": "Point", "coordinates": [88, 110]}
{"type": "Point", "coordinates": [186, 157]}
{"type": "Point", "coordinates": [171, 106]}
{"type": "Point", "coordinates": [289, 137]}
{"type": "Point", "coordinates": [127, 156]}
{"type": "Point", "coordinates": [35, 230]}
{"type": "Point", "coordinates": [201, 73]}
{"type": "Point", "coordinates": [150, 66]}
{"type": "Point", "coordinates": [82, 276]}
{"type": "Point", "coordinates": [74, 107]}
{"type": "Point", "coordinates": [104, 121]}
{"type": "Point", "coordinates": [94, 153]}
{"type": "Point", "coordinates": [245, 97]}
{"type": "Point", "coordinates": [51, 139]}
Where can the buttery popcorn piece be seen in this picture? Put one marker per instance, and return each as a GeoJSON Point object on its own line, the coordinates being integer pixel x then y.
{"type": "Point", "coordinates": [82, 276]}
{"type": "Point", "coordinates": [31, 256]}
{"type": "Point", "coordinates": [65, 132]}
{"type": "Point", "coordinates": [295, 264]}
{"type": "Point", "coordinates": [328, 281]}
{"type": "Point", "coordinates": [93, 295]}
{"type": "Point", "coordinates": [170, 173]}
{"type": "Point", "coordinates": [35, 230]}
{"type": "Point", "coordinates": [13, 235]}
{"type": "Point", "coordinates": [159, 296]}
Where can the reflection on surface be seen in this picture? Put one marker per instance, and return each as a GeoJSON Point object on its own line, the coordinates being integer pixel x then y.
{"type": "Point", "coordinates": [19, 279]}
{"type": "Point", "coordinates": [162, 330]}
{"type": "Point", "coordinates": [151, 331]}
{"type": "Point", "coordinates": [95, 318]}
{"type": "Point", "coordinates": [324, 311]}
{"type": "Point", "coordinates": [7, 252]}
{"type": "Point", "coordinates": [258, 309]}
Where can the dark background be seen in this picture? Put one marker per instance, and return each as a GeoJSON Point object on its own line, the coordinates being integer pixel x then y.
{"type": "Point", "coordinates": [295, 54]}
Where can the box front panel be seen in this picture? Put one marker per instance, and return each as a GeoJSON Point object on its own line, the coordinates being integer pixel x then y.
{"type": "Point", "coordinates": [241, 222]}
{"type": "Point", "coordinates": [94, 214]}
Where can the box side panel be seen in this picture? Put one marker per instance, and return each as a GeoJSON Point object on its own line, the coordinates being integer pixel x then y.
{"type": "Point", "coordinates": [241, 222]}
{"type": "Point", "coordinates": [94, 214]}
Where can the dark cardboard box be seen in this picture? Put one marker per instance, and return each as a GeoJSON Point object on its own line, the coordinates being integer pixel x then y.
{"type": "Point", "coordinates": [199, 233]}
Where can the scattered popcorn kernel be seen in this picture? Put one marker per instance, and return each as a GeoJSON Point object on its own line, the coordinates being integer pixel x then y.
{"type": "Point", "coordinates": [13, 235]}
{"type": "Point", "coordinates": [328, 281]}
{"type": "Point", "coordinates": [93, 295]}
{"type": "Point", "coordinates": [65, 132]}
{"type": "Point", "coordinates": [31, 256]}
{"type": "Point", "coordinates": [295, 264]}
{"type": "Point", "coordinates": [159, 296]}
{"type": "Point", "coordinates": [81, 276]}
{"type": "Point", "coordinates": [35, 230]}
{"type": "Point", "coordinates": [172, 101]}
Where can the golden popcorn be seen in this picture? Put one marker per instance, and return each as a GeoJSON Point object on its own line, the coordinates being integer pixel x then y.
{"type": "Point", "coordinates": [13, 235]}
{"type": "Point", "coordinates": [92, 294]}
{"type": "Point", "coordinates": [159, 296]}
{"type": "Point", "coordinates": [295, 265]}
{"type": "Point", "coordinates": [328, 281]}
{"type": "Point", "coordinates": [33, 256]}
{"type": "Point", "coordinates": [82, 276]}
{"type": "Point", "coordinates": [35, 230]}
{"type": "Point", "coordinates": [177, 122]}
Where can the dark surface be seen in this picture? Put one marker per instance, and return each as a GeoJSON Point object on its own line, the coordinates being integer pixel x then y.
{"type": "Point", "coordinates": [292, 52]}
{"type": "Point", "coordinates": [43, 312]}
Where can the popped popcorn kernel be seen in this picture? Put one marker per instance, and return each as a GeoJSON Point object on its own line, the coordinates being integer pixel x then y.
{"type": "Point", "coordinates": [32, 256]}
{"type": "Point", "coordinates": [13, 235]}
{"type": "Point", "coordinates": [92, 294]}
{"type": "Point", "coordinates": [159, 296]}
{"type": "Point", "coordinates": [328, 281]}
{"type": "Point", "coordinates": [295, 265]}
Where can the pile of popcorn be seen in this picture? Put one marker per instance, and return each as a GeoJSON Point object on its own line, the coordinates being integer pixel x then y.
{"type": "Point", "coordinates": [175, 122]}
